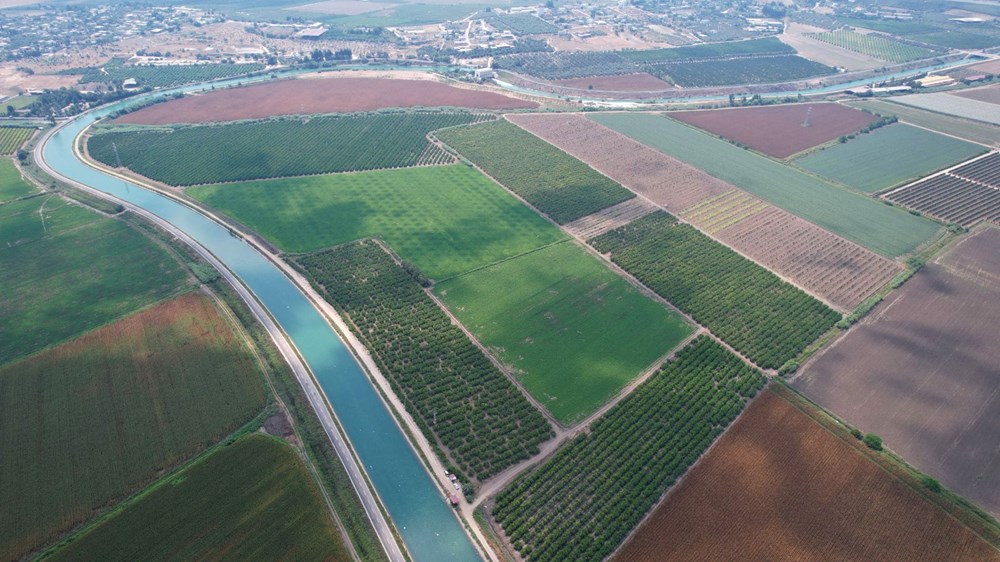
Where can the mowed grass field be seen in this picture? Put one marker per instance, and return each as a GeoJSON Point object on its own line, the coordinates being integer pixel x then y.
{"type": "Point", "coordinates": [574, 332]}
{"type": "Point", "coordinates": [12, 185]}
{"type": "Point", "coordinates": [779, 486]}
{"type": "Point", "coordinates": [252, 499]}
{"type": "Point", "coordinates": [888, 156]}
{"type": "Point", "coordinates": [886, 230]}
{"type": "Point", "coordinates": [446, 220]}
{"type": "Point", "coordinates": [65, 270]}
{"type": "Point", "coordinates": [90, 421]}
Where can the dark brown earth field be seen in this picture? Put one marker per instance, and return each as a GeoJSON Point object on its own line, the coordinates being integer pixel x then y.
{"type": "Point", "coordinates": [779, 130]}
{"type": "Point", "coordinates": [641, 82]}
{"type": "Point", "coordinates": [989, 94]}
{"type": "Point", "coordinates": [780, 486]}
{"type": "Point", "coordinates": [319, 95]}
{"type": "Point", "coordinates": [923, 371]}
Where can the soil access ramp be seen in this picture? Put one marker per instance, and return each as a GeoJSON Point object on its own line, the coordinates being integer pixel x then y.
{"type": "Point", "coordinates": [337, 387]}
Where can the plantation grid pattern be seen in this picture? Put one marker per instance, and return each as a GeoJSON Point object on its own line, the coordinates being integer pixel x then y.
{"type": "Point", "coordinates": [965, 195]}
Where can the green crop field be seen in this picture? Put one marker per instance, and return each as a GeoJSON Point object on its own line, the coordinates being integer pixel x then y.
{"type": "Point", "coordinates": [95, 419]}
{"type": "Point", "coordinates": [253, 499]}
{"type": "Point", "coordinates": [574, 331]}
{"type": "Point", "coordinates": [273, 148]}
{"type": "Point", "coordinates": [446, 220]}
{"type": "Point", "coordinates": [566, 64]}
{"type": "Point", "coordinates": [768, 45]}
{"type": "Point", "coordinates": [887, 230]}
{"type": "Point", "coordinates": [19, 102]}
{"type": "Point", "coordinates": [582, 503]}
{"type": "Point", "coordinates": [12, 185]}
{"type": "Point", "coordinates": [115, 71]}
{"type": "Point", "coordinates": [958, 40]}
{"type": "Point", "coordinates": [888, 156]}
{"type": "Point", "coordinates": [873, 45]}
{"type": "Point", "coordinates": [893, 27]}
{"type": "Point", "coordinates": [446, 382]}
{"type": "Point", "coordinates": [554, 182]}
{"type": "Point", "coordinates": [11, 138]}
{"type": "Point", "coordinates": [750, 70]}
{"type": "Point", "coordinates": [65, 270]}
{"type": "Point", "coordinates": [744, 304]}
{"type": "Point", "coordinates": [983, 133]}
{"type": "Point", "coordinates": [521, 24]}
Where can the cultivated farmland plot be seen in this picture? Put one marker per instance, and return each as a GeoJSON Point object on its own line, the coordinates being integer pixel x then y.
{"type": "Point", "coordinates": [874, 45]}
{"type": "Point", "coordinates": [953, 105]}
{"type": "Point", "coordinates": [839, 271]}
{"type": "Point", "coordinates": [888, 156]}
{"type": "Point", "coordinates": [94, 420]}
{"type": "Point", "coordinates": [921, 371]}
{"type": "Point", "coordinates": [115, 71]}
{"type": "Point", "coordinates": [749, 70]}
{"type": "Point", "coordinates": [12, 185]}
{"type": "Point", "coordinates": [779, 486]}
{"type": "Point", "coordinates": [317, 95]}
{"type": "Point", "coordinates": [889, 231]}
{"type": "Point", "coordinates": [11, 138]}
{"type": "Point", "coordinates": [964, 195]}
{"type": "Point", "coordinates": [455, 393]}
{"type": "Point", "coordinates": [582, 503]}
{"type": "Point", "coordinates": [779, 130]}
{"type": "Point", "coordinates": [766, 46]}
{"type": "Point", "coordinates": [556, 184]}
{"type": "Point", "coordinates": [274, 148]}
{"type": "Point", "coordinates": [744, 304]}
{"type": "Point", "coordinates": [975, 131]}
{"type": "Point", "coordinates": [251, 499]}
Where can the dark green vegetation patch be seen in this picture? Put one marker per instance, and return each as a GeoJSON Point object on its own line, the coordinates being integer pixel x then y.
{"type": "Point", "coordinates": [768, 45]}
{"type": "Point", "coordinates": [554, 182]}
{"type": "Point", "coordinates": [889, 231]}
{"type": "Point", "coordinates": [273, 148]}
{"type": "Point", "coordinates": [252, 499]}
{"type": "Point", "coordinates": [95, 419]}
{"type": "Point", "coordinates": [11, 138]}
{"type": "Point", "coordinates": [164, 76]}
{"type": "Point", "coordinates": [583, 502]}
{"type": "Point", "coordinates": [747, 306]}
{"type": "Point", "coordinates": [57, 279]}
{"type": "Point", "coordinates": [573, 331]}
{"type": "Point", "coordinates": [447, 220]}
{"type": "Point", "coordinates": [454, 392]}
{"type": "Point", "coordinates": [750, 70]}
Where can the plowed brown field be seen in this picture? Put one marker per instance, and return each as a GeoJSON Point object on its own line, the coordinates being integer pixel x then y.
{"type": "Point", "coordinates": [320, 95]}
{"type": "Point", "coordinates": [989, 94]}
{"type": "Point", "coordinates": [779, 486]}
{"type": "Point", "coordinates": [838, 271]}
{"type": "Point", "coordinates": [923, 371]}
{"type": "Point", "coordinates": [779, 130]}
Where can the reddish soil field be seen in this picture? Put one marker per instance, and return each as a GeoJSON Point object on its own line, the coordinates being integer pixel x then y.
{"type": "Point", "coordinates": [641, 82]}
{"type": "Point", "coordinates": [320, 95]}
{"type": "Point", "coordinates": [923, 371]}
{"type": "Point", "coordinates": [779, 486]}
{"type": "Point", "coordinates": [648, 172]}
{"type": "Point", "coordinates": [989, 94]}
{"type": "Point", "coordinates": [840, 272]}
{"type": "Point", "coordinates": [778, 130]}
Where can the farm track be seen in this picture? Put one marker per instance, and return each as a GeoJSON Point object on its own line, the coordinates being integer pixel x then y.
{"type": "Point", "coordinates": [836, 271]}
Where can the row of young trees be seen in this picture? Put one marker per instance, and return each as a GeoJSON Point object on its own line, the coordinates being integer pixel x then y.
{"type": "Point", "coordinates": [750, 308]}
{"type": "Point", "coordinates": [453, 391]}
{"type": "Point", "coordinates": [583, 502]}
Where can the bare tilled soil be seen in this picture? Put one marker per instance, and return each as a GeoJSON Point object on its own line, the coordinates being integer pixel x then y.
{"type": "Point", "coordinates": [611, 218]}
{"type": "Point", "coordinates": [779, 486]}
{"type": "Point", "coordinates": [779, 130]}
{"type": "Point", "coordinates": [836, 269]}
{"type": "Point", "coordinates": [989, 94]}
{"type": "Point", "coordinates": [839, 271]}
{"type": "Point", "coordinates": [641, 82]}
{"type": "Point", "coordinates": [923, 371]}
{"type": "Point", "coordinates": [320, 95]}
{"type": "Point", "coordinates": [648, 172]}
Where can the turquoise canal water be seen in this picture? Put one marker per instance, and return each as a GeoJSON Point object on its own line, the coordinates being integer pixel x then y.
{"type": "Point", "coordinates": [428, 527]}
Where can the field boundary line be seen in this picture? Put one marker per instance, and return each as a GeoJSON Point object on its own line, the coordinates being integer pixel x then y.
{"type": "Point", "coordinates": [947, 171]}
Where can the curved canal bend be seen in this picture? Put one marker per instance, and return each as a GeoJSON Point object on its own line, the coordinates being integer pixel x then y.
{"type": "Point", "coordinates": [427, 525]}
